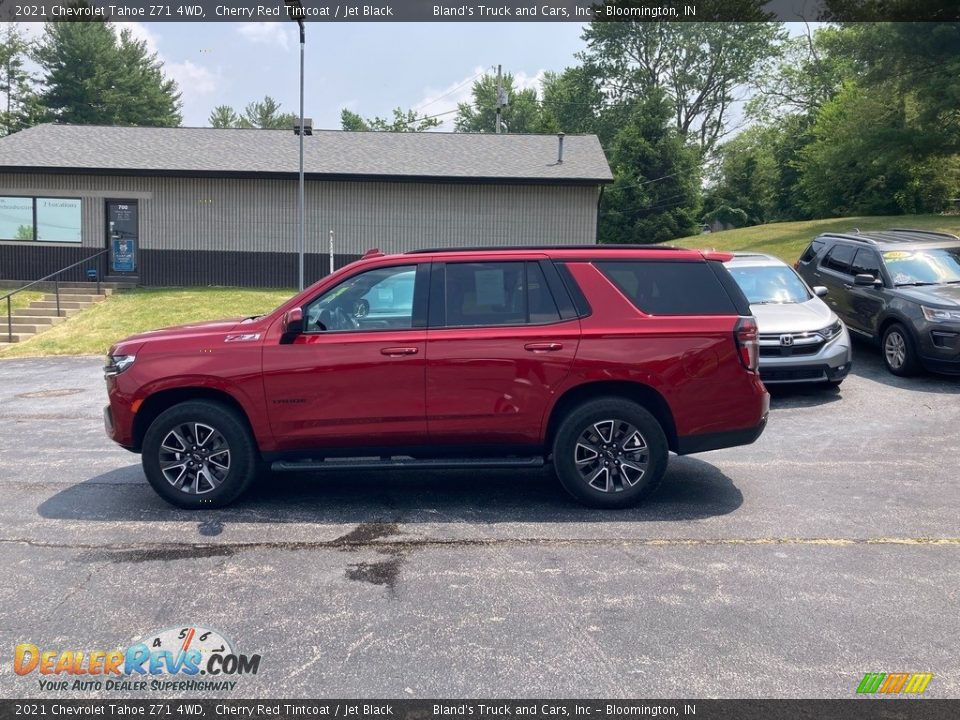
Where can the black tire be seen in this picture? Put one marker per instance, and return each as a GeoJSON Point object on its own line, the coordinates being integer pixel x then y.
{"type": "Point", "coordinates": [230, 445]}
{"type": "Point", "coordinates": [623, 486]}
{"type": "Point", "coordinates": [897, 338]}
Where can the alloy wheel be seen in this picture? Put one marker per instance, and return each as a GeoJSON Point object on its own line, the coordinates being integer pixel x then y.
{"type": "Point", "coordinates": [611, 456]}
{"type": "Point", "coordinates": [194, 458]}
{"type": "Point", "coordinates": [895, 350]}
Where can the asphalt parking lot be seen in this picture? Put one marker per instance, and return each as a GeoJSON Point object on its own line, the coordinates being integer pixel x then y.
{"type": "Point", "coordinates": [788, 568]}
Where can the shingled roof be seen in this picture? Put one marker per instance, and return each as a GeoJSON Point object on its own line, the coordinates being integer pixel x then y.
{"type": "Point", "coordinates": [328, 154]}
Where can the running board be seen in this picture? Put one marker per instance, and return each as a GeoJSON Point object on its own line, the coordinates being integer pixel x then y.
{"type": "Point", "coordinates": [406, 464]}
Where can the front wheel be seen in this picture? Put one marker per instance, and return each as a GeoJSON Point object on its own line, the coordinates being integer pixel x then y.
{"type": "Point", "coordinates": [899, 355]}
{"type": "Point", "coordinates": [610, 453]}
{"type": "Point", "coordinates": [199, 454]}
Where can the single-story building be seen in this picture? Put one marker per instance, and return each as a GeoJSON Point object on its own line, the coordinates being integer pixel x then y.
{"type": "Point", "coordinates": [204, 206]}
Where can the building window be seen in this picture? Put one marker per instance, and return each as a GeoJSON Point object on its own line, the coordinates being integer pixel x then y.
{"type": "Point", "coordinates": [58, 220]}
{"type": "Point", "coordinates": [43, 219]}
{"type": "Point", "coordinates": [16, 218]}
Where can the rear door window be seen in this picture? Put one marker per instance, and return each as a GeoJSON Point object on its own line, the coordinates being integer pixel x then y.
{"type": "Point", "coordinates": [669, 288]}
{"type": "Point", "coordinates": [839, 259]}
{"type": "Point", "coordinates": [497, 293]}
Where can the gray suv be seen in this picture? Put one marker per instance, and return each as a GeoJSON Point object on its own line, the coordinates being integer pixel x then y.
{"type": "Point", "coordinates": [899, 288]}
{"type": "Point", "coordinates": [801, 339]}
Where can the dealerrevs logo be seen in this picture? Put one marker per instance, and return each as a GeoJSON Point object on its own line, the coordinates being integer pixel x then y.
{"type": "Point", "coordinates": [185, 658]}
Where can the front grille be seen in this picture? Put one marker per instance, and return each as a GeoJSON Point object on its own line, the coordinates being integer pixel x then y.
{"type": "Point", "coordinates": [799, 344]}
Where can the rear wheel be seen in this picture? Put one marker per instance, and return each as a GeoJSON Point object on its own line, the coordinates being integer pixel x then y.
{"type": "Point", "coordinates": [899, 355]}
{"type": "Point", "coordinates": [610, 453]}
{"type": "Point", "coordinates": [199, 454]}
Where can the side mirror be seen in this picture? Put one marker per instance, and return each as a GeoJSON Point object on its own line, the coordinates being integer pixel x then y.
{"type": "Point", "coordinates": [865, 280]}
{"type": "Point", "coordinates": [292, 324]}
{"type": "Point", "coordinates": [820, 291]}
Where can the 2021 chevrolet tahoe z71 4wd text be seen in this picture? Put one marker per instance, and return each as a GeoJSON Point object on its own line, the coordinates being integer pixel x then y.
{"type": "Point", "coordinates": [599, 359]}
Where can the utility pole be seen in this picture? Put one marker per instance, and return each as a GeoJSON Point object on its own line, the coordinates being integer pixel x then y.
{"type": "Point", "coordinates": [499, 98]}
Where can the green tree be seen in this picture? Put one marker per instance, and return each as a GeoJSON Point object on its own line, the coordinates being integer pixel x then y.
{"type": "Point", "coordinates": [92, 75]}
{"type": "Point", "coordinates": [403, 121]}
{"type": "Point", "coordinates": [521, 114]}
{"type": "Point", "coordinates": [223, 116]}
{"type": "Point", "coordinates": [21, 107]}
{"type": "Point", "coordinates": [261, 114]}
{"type": "Point", "coordinates": [807, 71]}
{"type": "Point", "coordinates": [265, 114]}
{"type": "Point", "coordinates": [699, 67]}
{"type": "Point", "coordinates": [857, 162]}
{"type": "Point", "coordinates": [919, 62]}
{"type": "Point", "coordinates": [573, 103]}
{"type": "Point", "coordinates": [656, 192]}
{"type": "Point", "coordinates": [747, 175]}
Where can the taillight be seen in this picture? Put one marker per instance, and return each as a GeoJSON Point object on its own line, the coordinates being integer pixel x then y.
{"type": "Point", "coordinates": [748, 342]}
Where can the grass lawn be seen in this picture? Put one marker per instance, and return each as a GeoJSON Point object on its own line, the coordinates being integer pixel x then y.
{"type": "Point", "coordinates": [94, 330]}
{"type": "Point", "coordinates": [787, 240]}
{"type": "Point", "coordinates": [20, 300]}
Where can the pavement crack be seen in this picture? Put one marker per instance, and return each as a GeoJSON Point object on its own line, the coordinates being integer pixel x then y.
{"type": "Point", "coordinates": [148, 552]}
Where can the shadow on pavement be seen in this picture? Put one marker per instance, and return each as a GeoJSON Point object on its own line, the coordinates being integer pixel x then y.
{"type": "Point", "coordinates": [783, 397]}
{"type": "Point", "coordinates": [868, 364]}
{"type": "Point", "coordinates": [691, 490]}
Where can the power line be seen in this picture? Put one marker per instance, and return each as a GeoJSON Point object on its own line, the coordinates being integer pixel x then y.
{"type": "Point", "coordinates": [450, 92]}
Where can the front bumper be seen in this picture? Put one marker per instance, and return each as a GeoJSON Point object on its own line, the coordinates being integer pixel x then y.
{"type": "Point", "coordinates": [940, 347]}
{"type": "Point", "coordinates": [831, 363]}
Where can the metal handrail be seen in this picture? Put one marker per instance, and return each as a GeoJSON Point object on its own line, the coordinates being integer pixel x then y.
{"type": "Point", "coordinates": [56, 288]}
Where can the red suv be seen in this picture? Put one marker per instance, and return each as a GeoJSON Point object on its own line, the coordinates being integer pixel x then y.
{"type": "Point", "coordinates": [599, 359]}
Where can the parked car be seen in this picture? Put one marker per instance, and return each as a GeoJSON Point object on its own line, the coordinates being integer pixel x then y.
{"type": "Point", "coordinates": [898, 288]}
{"type": "Point", "coordinates": [801, 339]}
{"type": "Point", "coordinates": [600, 360]}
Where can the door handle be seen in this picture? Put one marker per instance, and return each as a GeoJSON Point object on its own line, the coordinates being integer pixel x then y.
{"type": "Point", "coordinates": [543, 347]}
{"type": "Point", "coordinates": [398, 351]}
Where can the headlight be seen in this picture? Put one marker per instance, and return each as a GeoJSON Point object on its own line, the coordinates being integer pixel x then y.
{"type": "Point", "coordinates": [831, 331]}
{"type": "Point", "coordinates": [116, 364]}
{"type": "Point", "coordinates": [939, 314]}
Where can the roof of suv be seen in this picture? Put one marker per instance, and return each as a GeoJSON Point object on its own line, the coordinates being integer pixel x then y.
{"type": "Point", "coordinates": [900, 238]}
{"type": "Point", "coordinates": [581, 252]}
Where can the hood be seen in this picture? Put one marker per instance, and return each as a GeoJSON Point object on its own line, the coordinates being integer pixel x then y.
{"type": "Point", "coordinates": [793, 317]}
{"type": "Point", "coordinates": [943, 295]}
{"type": "Point", "coordinates": [181, 331]}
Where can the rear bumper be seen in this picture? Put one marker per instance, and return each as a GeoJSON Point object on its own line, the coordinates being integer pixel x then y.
{"type": "Point", "coordinates": [716, 441]}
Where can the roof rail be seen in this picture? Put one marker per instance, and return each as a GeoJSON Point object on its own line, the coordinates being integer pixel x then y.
{"type": "Point", "coordinates": [935, 233]}
{"type": "Point", "coordinates": [521, 248]}
{"type": "Point", "coordinates": [850, 236]}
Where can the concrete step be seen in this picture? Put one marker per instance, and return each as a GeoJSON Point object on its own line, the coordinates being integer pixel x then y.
{"type": "Point", "coordinates": [35, 311]}
{"type": "Point", "coordinates": [75, 298]}
{"type": "Point", "coordinates": [48, 320]}
{"type": "Point", "coordinates": [17, 337]}
{"type": "Point", "coordinates": [24, 328]}
{"type": "Point", "coordinates": [64, 305]}
{"type": "Point", "coordinates": [48, 285]}
{"type": "Point", "coordinates": [92, 290]}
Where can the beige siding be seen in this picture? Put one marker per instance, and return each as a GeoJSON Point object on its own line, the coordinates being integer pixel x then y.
{"type": "Point", "coordinates": [261, 215]}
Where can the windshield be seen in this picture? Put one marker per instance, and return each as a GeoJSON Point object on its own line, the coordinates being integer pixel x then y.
{"type": "Point", "coordinates": [770, 284]}
{"type": "Point", "coordinates": [923, 267]}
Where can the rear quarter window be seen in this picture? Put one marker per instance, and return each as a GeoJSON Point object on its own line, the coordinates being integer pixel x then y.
{"type": "Point", "coordinates": [811, 252]}
{"type": "Point", "coordinates": [670, 288]}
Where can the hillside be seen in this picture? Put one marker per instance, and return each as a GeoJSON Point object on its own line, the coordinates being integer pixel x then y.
{"type": "Point", "coordinates": [787, 240]}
